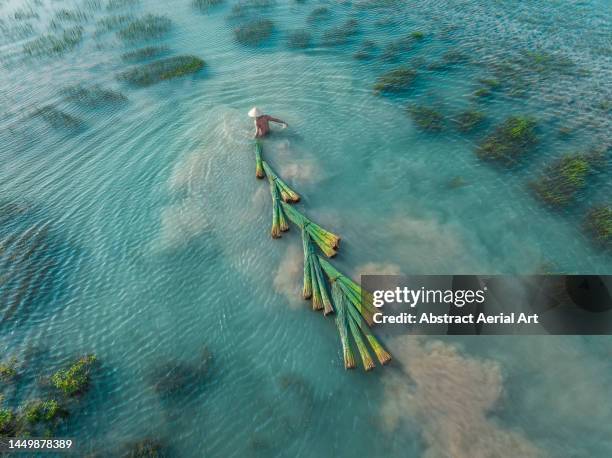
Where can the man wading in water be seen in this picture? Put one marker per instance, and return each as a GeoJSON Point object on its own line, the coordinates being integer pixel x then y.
{"type": "Point", "coordinates": [262, 122]}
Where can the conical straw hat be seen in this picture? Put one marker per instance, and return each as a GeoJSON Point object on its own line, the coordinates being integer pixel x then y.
{"type": "Point", "coordinates": [255, 112]}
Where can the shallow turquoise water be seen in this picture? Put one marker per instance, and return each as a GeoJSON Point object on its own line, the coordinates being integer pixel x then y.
{"type": "Point", "coordinates": [147, 235]}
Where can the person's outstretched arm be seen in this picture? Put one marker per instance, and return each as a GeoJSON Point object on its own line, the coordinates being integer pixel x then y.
{"type": "Point", "coordinates": [280, 121]}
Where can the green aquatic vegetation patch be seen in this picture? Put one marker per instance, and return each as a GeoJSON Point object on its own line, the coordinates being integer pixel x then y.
{"type": "Point", "coordinates": [426, 118]}
{"type": "Point", "coordinates": [161, 70]}
{"type": "Point", "coordinates": [57, 118]}
{"type": "Point", "coordinates": [113, 22]}
{"type": "Point", "coordinates": [320, 13]}
{"type": "Point", "coordinates": [93, 96]}
{"type": "Point", "coordinates": [417, 35]}
{"type": "Point", "coordinates": [25, 14]}
{"type": "Point", "coordinates": [177, 377]}
{"type": "Point", "coordinates": [147, 52]}
{"type": "Point", "coordinates": [66, 15]}
{"type": "Point", "coordinates": [340, 34]}
{"type": "Point", "coordinates": [395, 49]}
{"type": "Point", "coordinates": [7, 420]}
{"type": "Point", "coordinates": [74, 380]}
{"type": "Point", "coordinates": [205, 5]}
{"type": "Point", "coordinates": [8, 371]}
{"type": "Point", "coordinates": [561, 181]}
{"type": "Point", "coordinates": [299, 39]}
{"type": "Point", "coordinates": [145, 28]}
{"type": "Point", "coordinates": [118, 4]}
{"type": "Point", "coordinates": [509, 141]}
{"type": "Point", "coordinates": [599, 224]}
{"type": "Point", "coordinates": [249, 8]}
{"type": "Point", "coordinates": [491, 83]}
{"type": "Point", "coordinates": [468, 120]}
{"type": "Point", "coordinates": [396, 80]}
{"type": "Point", "coordinates": [482, 92]}
{"type": "Point", "coordinates": [366, 51]}
{"type": "Point", "coordinates": [51, 45]}
{"type": "Point", "coordinates": [254, 32]}
{"type": "Point", "coordinates": [541, 61]}
{"type": "Point", "coordinates": [146, 448]}
{"type": "Point", "coordinates": [42, 411]}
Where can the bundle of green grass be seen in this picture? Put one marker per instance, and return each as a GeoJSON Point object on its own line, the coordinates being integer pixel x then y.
{"type": "Point", "coordinates": [161, 70]}
{"type": "Point", "coordinates": [327, 288]}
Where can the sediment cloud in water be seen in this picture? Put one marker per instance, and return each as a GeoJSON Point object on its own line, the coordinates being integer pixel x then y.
{"type": "Point", "coordinates": [432, 244]}
{"type": "Point", "coordinates": [181, 223]}
{"type": "Point", "coordinates": [451, 396]}
{"type": "Point", "coordinates": [377, 268]}
{"type": "Point", "coordinates": [288, 278]}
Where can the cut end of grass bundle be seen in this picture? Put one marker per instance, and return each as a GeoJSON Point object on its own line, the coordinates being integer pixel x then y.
{"type": "Point", "coordinates": [315, 287]}
{"type": "Point", "coordinates": [325, 240]}
{"type": "Point", "coordinates": [360, 299]}
{"type": "Point", "coordinates": [259, 171]}
{"type": "Point", "coordinates": [287, 194]}
{"type": "Point", "coordinates": [279, 220]}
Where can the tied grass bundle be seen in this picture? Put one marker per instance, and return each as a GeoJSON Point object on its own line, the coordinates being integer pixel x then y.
{"type": "Point", "coordinates": [342, 322]}
{"type": "Point", "coordinates": [362, 300]}
{"type": "Point", "coordinates": [279, 221]}
{"type": "Point", "coordinates": [314, 280]}
{"type": "Point", "coordinates": [288, 194]}
{"type": "Point", "coordinates": [350, 322]}
{"type": "Point", "coordinates": [259, 172]}
{"type": "Point", "coordinates": [325, 240]}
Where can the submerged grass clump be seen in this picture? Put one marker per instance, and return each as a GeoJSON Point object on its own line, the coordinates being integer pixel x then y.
{"type": "Point", "coordinates": [74, 380]}
{"type": "Point", "coordinates": [25, 14]}
{"type": "Point", "coordinates": [509, 141]}
{"type": "Point", "coordinates": [249, 8]}
{"type": "Point", "coordinates": [145, 448]}
{"type": "Point", "coordinates": [366, 51]}
{"type": "Point", "coordinates": [93, 96]}
{"type": "Point", "coordinates": [50, 45]}
{"type": "Point", "coordinates": [38, 411]}
{"type": "Point", "coordinates": [66, 15]}
{"type": "Point", "coordinates": [426, 118]}
{"type": "Point", "coordinates": [340, 34]}
{"type": "Point", "coordinates": [469, 120]}
{"type": "Point", "coordinates": [146, 28]}
{"type": "Point", "coordinates": [254, 32]}
{"type": "Point", "coordinates": [113, 22]}
{"type": "Point", "coordinates": [599, 225]}
{"type": "Point", "coordinates": [7, 422]}
{"type": "Point", "coordinates": [176, 377]}
{"type": "Point", "coordinates": [319, 14]}
{"type": "Point", "coordinates": [299, 39]}
{"type": "Point", "coordinates": [161, 70]}
{"type": "Point", "coordinates": [394, 81]}
{"type": "Point", "coordinates": [204, 5]}
{"type": "Point", "coordinates": [8, 371]}
{"type": "Point", "coordinates": [57, 118]}
{"type": "Point", "coordinates": [145, 53]}
{"type": "Point", "coordinates": [562, 180]}
{"type": "Point", "coordinates": [118, 4]}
